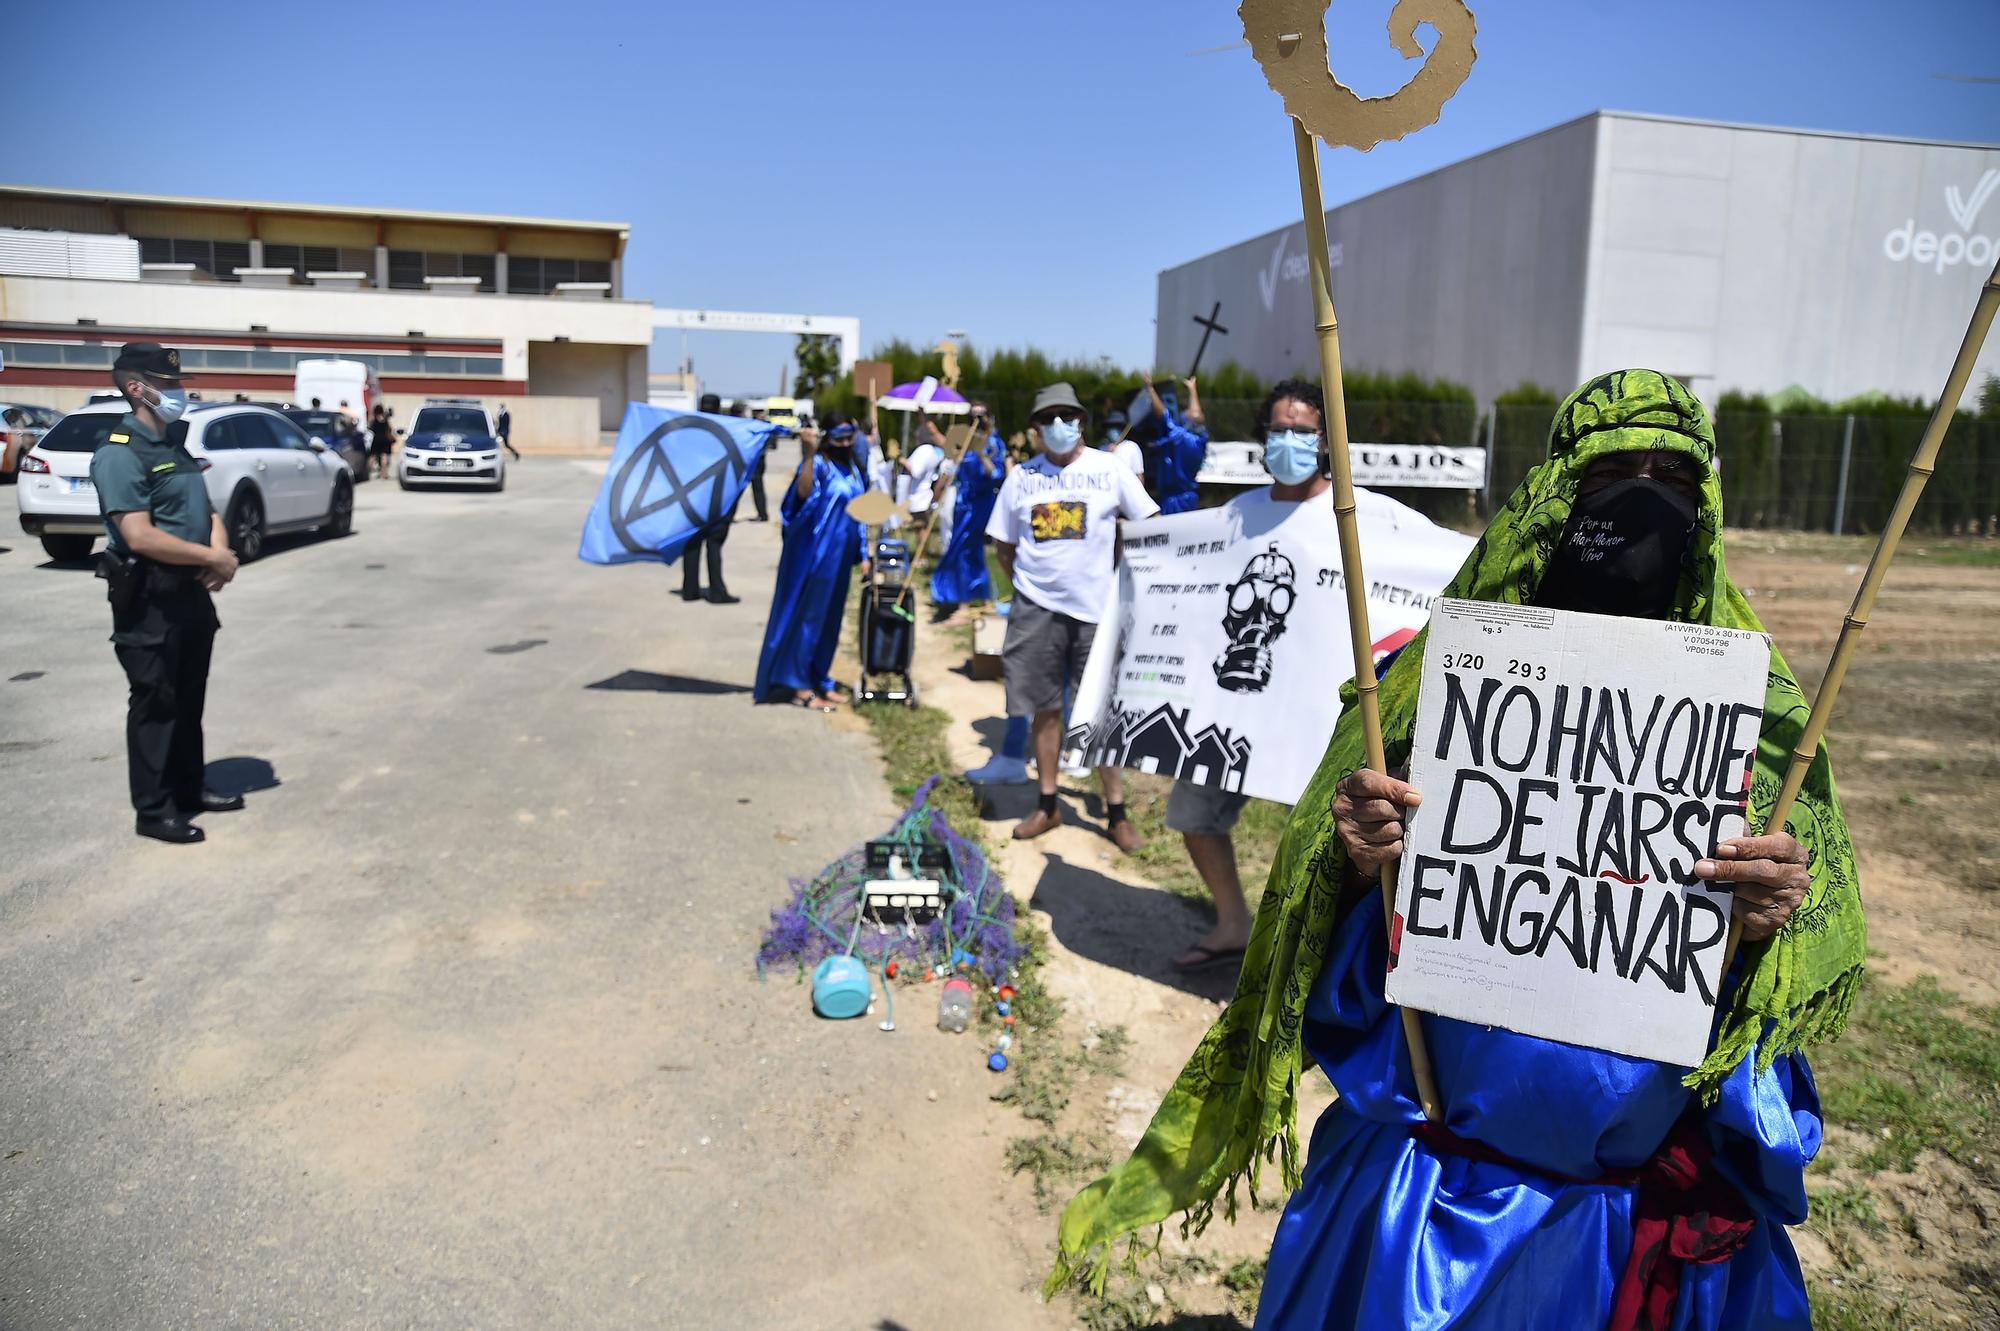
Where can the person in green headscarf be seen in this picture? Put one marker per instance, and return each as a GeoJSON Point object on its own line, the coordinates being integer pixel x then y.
{"type": "Point", "coordinates": [1563, 1187]}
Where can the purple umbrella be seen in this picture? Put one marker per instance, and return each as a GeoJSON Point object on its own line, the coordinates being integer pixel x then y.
{"type": "Point", "coordinates": [929, 396]}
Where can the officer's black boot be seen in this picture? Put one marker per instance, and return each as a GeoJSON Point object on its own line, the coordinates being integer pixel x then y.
{"type": "Point", "coordinates": [174, 831]}
{"type": "Point", "coordinates": [717, 593]}
{"type": "Point", "coordinates": [691, 571]}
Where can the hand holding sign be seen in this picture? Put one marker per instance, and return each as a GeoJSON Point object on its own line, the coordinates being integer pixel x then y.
{"type": "Point", "coordinates": [1770, 877]}
{"type": "Point", "coordinates": [1368, 815]}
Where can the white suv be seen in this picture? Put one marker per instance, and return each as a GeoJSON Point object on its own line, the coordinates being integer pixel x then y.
{"type": "Point", "coordinates": [264, 476]}
{"type": "Point", "coordinates": [452, 442]}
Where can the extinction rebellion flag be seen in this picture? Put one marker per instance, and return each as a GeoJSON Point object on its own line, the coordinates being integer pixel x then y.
{"type": "Point", "coordinates": [672, 474]}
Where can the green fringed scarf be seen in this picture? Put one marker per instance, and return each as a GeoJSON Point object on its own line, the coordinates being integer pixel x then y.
{"type": "Point", "coordinates": [1234, 1106]}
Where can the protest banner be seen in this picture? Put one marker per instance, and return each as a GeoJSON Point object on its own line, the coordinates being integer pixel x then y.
{"type": "Point", "coordinates": [1381, 466]}
{"type": "Point", "coordinates": [1574, 768]}
{"type": "Point", "coordinates": [1211, 661]}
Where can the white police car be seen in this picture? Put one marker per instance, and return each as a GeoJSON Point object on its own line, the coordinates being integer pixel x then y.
{"type": "Point", "coordinates": [264, 476]}
{"type": "Point", "coordinates": [452, 443]}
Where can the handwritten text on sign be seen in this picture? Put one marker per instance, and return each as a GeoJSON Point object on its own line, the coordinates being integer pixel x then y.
{"type": "Point", "coordinates": [1574, 768]}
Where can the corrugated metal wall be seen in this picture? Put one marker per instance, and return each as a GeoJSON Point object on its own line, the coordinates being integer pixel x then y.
{"type": "Point", "coordinates": [67, 254]}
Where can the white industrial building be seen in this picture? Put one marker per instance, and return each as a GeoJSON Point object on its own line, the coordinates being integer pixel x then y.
{"type": "Point", "coordinates": [1731, 256]}
{"type": "Point", "coordinates": [526, 310]}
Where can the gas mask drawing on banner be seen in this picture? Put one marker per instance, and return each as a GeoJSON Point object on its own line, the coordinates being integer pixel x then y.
{"type": "Point", "coordinates": [1259, 600]}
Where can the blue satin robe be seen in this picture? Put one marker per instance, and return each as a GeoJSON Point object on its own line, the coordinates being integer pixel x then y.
{"type": "Point", "coordinates": [809, 600]}
{"type": "Point", "coordinates": [1173, 460]}
{"type": "Point", "coordinates": [1383, 1233]}
{"type": "Point", "coordinates": [961, 573]}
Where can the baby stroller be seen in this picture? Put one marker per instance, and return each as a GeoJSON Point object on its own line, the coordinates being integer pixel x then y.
{"type": "Point", "coordinates": [888, 627]}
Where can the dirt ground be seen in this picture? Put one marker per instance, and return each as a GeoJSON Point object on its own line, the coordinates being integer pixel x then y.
{"type": "Point", "coordinates": [1916, 752]}
{"type": "Point", "coordinates": [1916, 746]}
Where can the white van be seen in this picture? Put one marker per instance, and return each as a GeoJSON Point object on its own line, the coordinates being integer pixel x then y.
{"type": "Point", "coordinates": [334, 382]}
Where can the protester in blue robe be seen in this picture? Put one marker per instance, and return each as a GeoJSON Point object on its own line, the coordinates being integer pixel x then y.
{"type": "Point", "coordinates": [1384, 1220]}
{"type": "Point", "coordinates": [822, 546]}
{"type": "Point", "coordinates": [1174, 446]}
{"type": "Point", "coordinates": [1560, 1188]}
{"type": "Point", "coordinates": [961, 576]}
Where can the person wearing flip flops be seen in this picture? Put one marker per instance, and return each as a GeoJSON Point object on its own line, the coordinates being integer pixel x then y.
{"type": "Point", "coordinates": [1289, 424]}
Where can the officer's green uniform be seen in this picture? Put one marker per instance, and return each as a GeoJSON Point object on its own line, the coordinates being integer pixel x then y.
{"type": "Point", "coordinates": [165, 633]}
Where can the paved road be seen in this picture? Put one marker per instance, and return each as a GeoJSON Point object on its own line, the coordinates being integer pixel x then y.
{"type": "Point", "coordinates": [454, 1026]}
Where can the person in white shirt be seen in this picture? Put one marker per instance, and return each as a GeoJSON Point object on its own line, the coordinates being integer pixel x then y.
{"type": "Point", "coordinates": [1055, 529]}
{"type": "Point", "coordinates": [922, 466]}
{"type": "Point", "coordinates": [1289, 422]}
{"type": "Point", "coordinates": [888, 474]}
{"type": "Point", "coordinates": [1125, 450]}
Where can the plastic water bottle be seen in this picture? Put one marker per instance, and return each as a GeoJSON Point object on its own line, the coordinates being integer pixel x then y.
{"type": "Point", "coordinates": [955, 1006]}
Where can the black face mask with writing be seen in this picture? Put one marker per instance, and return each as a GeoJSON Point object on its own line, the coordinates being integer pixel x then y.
{"type": "Point", "coordinates": [1620, 553]}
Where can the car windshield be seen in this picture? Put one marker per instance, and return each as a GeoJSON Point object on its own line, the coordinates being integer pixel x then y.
{"type": "Point", "coordinates": [81, 433]}
{"type": "Point", "coordinates": [450, 420]}
{"type": "Point", "coordinates": [45, 416]}
{"type": "Point", "coordinates": [323, 424]}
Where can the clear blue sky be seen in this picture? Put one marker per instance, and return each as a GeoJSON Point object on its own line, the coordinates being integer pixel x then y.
{"type": "Point", "coordinates": [1019, 170]}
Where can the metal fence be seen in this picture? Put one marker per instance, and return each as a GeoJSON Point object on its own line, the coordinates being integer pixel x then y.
{"type": "Point", "coordinates": [1811, 472]}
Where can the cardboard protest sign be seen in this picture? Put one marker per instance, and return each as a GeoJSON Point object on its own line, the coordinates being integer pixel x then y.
{"type": "Point", "coordinates": [1574, 767]}
{"type": "Point", "coordinates": [1212, 661]}
{"type": "Point", "coordinates": [873, 378]}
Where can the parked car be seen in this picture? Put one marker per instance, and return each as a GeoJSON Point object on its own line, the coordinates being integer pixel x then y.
{"type": "Point", "coordinates": [451, 442]}
{"type": "Point", "coordinates": [325, 427]}
{"type": "Point", "coordinates": [264, 476]}
{"type": "Point", "coordinates": [21, 427]}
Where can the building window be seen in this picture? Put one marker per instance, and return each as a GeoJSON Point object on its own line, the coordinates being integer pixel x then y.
{"type": "Point", "coordinates": [218, 258]}
{"type": "Point", "coordinates": [409, 268]}
{"type": "Point", "coordinates": [530, 276]}
{"type": "Point", "coordinates": [305, 259]}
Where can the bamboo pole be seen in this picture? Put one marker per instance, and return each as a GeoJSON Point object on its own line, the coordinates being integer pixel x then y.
{"type": "Point", "coordinates": [1921, 467]}
{"type": "Point", "coordinates": [1362, 641]}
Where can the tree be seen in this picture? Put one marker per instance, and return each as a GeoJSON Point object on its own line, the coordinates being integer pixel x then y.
{"type": "Point", "coordinates": [818, 357]}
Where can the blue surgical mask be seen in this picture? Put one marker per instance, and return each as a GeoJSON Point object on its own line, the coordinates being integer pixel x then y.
{"type": "Point", "coordinates": [1291, 456]}
{"type": "Point", "coordinates": [173, 404]}
{"type": "Point", "coordinates": [1060, 438]}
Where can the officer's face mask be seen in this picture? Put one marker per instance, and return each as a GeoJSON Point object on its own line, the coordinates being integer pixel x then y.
{"type": "Point", "coordinates": [1291, 456]}
{"type": "Point", "coordinates": [169, 404]}
{"type": "Point", "coordinates": [1621, 551]}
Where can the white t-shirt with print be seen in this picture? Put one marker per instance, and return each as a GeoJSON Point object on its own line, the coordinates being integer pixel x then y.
{"type": "Point", "coordinates": [923, 466]}
{"type": "Point", "coordinates": [1128, 452]}
{"type": "Point", "coordinates": [1063, 525]}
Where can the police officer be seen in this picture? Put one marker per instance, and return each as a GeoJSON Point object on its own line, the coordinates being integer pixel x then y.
{"type": "Point", "coordinates": [167, 553]}
{"type": "Point", "coordinates": [710, 539]}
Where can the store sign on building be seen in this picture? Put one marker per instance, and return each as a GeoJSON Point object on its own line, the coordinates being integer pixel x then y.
{"type": "Point", "coordinates": [1939, 250]}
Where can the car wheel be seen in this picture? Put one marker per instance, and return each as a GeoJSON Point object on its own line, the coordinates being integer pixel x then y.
{"type": "Point", "coordinates": [403, 481]}
{"type": "Point", "coordinates": [246, 526]}
{"type": "Point", "coordinates": [500, 482]}
{"type": "Point", "coordinates": [340, 510]}
{"type": "Point", "coordinates": [67, 549]}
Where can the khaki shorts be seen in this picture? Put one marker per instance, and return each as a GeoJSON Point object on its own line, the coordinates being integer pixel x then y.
{"type": "Point", "coordinates": [1042, 657]}
{"type": "Point", "coordinates": [1203, 810]}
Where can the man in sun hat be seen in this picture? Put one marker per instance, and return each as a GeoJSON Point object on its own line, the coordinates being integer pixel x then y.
{"type": "Point", "coordinates": [1055, 529]}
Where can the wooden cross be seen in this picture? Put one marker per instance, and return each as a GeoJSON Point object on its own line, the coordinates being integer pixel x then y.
{"type": "Point", "coordinates": [1208, 326]}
